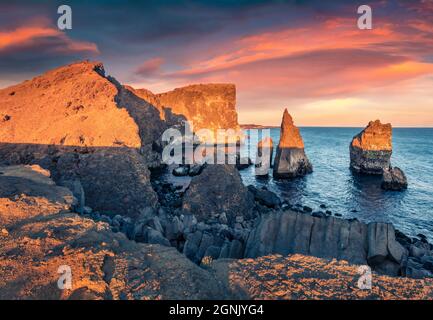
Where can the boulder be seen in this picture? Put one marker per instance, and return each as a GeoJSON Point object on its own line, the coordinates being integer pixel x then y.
{"type": "Point", "coordinates": [195, 169]}
{"type": "Point", "coordinates": [263, 163]}
{"type": "Point", "coordinates": [290, 160]}
{"type": "Point", "coordinates": [265, 197]}
{"type": "Point", "coordinates": [217, 190]}
{"type": "Point", "coordinates": [181, 171]}
{"type": "Point", "coordinates": [371, 149]}
{"type": "Point", "coordinates": [394, 179]}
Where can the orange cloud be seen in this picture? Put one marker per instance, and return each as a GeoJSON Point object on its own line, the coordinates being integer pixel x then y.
{"type": "Point", "coordinates": [25, 36]}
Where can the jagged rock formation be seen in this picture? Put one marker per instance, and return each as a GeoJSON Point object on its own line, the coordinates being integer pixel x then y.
{"type": "Point", "coordinates": [263, 163]}
{"type": "Point", "coordinates": [86, 127]}
{"type": "Point", "coordinates": [370, 150]}
{"type": "Point", "coordinates": [218, 190]}
{"type": "Point", "coordinates": [394, 179]}
{"type": "Point", "coordinates": [290, 160]}
{"type": "Point", "coordinates": [39, 233]}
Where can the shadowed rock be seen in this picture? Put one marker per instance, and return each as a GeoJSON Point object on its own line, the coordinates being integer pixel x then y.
{"type": "Point", "coordinates": [290, 160]}
{"type": "Point", "coordinates": [371, 149]}
{"type": "Point", "coordinates": [394, 179]}
{"type": "Point", "coordinates": [265, 149]}
{"type": "Point", "coordinates": [40, 233]}
{"type": "Point", "coordinates": [217, 190]}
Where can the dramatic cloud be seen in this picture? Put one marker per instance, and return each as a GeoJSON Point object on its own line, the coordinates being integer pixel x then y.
{"type": "Point", "coordinates": [304, 55]}
{"type": "Point", "coordinates": [150, 67]}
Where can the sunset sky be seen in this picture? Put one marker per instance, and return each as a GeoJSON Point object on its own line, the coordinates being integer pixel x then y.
{"type": "Point", "coordinates": [308, 56]}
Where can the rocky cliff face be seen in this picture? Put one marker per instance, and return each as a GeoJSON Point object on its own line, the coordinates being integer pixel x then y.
{"type": "Point", "coordinates": [84, 126]}
{"type": "Point", "coordinates": [290, 160]}
{"type": "Point", "coordinates": [263, 163]}
{"type": "Point", "coordinates": [374, 244]}
{"type": "Point", "coordinates": [371, 149]}
{"type": "Point", "coordinates": [207, 106]}
{"type": "Point", "coordinates": [370, 153]}
{"type": "Point", "coordinates": [39, 233]}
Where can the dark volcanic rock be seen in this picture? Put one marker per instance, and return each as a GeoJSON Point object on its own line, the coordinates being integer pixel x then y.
{"type": "Point", "coordinates": [265, 197]}
{"type": "Point", "coordinates": [290, 160]}
{"type": "Point", "coordinates": [263, 162]}
{"type": "Point", "coordinates": [394, 179]}
{"type": "Point", "coordinates": [293, 232]}
{"type": "Point", "coordinates": [217, 190]}
{"type": "Point", "coordinates": [82, 125]}
{"type": "Point", "coordinates": [370, 150]}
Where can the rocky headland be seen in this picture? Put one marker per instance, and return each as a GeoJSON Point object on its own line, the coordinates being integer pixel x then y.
{"type": "Point", "coordinates": [79, 186]}
{"type": "Point", "coordinates": [290, 159]}
{"type": "Point", "coordinates": [370, 153]}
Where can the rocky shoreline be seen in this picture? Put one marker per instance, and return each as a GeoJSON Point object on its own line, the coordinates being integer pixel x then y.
{"type": "Point", "coordinates": [86, 186]}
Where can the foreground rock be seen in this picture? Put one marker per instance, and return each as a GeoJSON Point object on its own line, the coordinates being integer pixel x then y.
{"type": "Point", "coordinates": [40, 234]}
{"type": "Point", "coordinates": [207, 106]}
{"type": "Point", "coordinates": [290, 160]}
{"type": "Point", "coordinates": [85, 127]}
{"type": "Point", "coordinates": [394, 179]}
{"type": "Point", "coordinates": [300, 277]}
{"type": "Point", "coordinates": [370, 150]}
{"type": "Point", "coordinates": [263, 163]}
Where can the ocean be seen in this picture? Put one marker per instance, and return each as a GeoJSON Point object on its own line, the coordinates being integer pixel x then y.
{"type": "Point", "coordinates": [353, 196]}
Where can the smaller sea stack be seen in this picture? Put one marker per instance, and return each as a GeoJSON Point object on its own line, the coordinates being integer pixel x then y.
{"type": "Point", "coordinates": [394, 179]}
{"type": "Point", "coordinates": [265, 148]}
{"type": "Point", "coordinates": [290, 160]}
{"type": "Point", "coordinates": [371, 149]}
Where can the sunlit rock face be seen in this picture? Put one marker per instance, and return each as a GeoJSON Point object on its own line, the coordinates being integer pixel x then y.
{"type": "Point", "coordinates": [82, 125]}
{"type": "Point", "coordinates": [206, 106]}
{"type": "Point", "coordinates": [290, 160]}
{"type": "Point", "coordinates": [371, 149]}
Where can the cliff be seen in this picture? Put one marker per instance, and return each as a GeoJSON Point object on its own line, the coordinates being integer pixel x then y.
{"type": "Point", "coordinates": [84, 126]}
{"type": "Point", "coordinates": [211, 106]}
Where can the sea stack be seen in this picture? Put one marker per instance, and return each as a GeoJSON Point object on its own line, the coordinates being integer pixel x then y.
{"type": "Point", "coordinates": [394, 179]}
{"type": "Point", "coordinates": [263, 162]}
{"type": "Point", "coordinates": [290, 160]}
{"type": "Point", "coordinates": [371, 149]}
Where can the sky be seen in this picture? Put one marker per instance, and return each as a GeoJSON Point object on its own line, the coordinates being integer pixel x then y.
{"type": "Point", "coordinates": [306, 56]}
